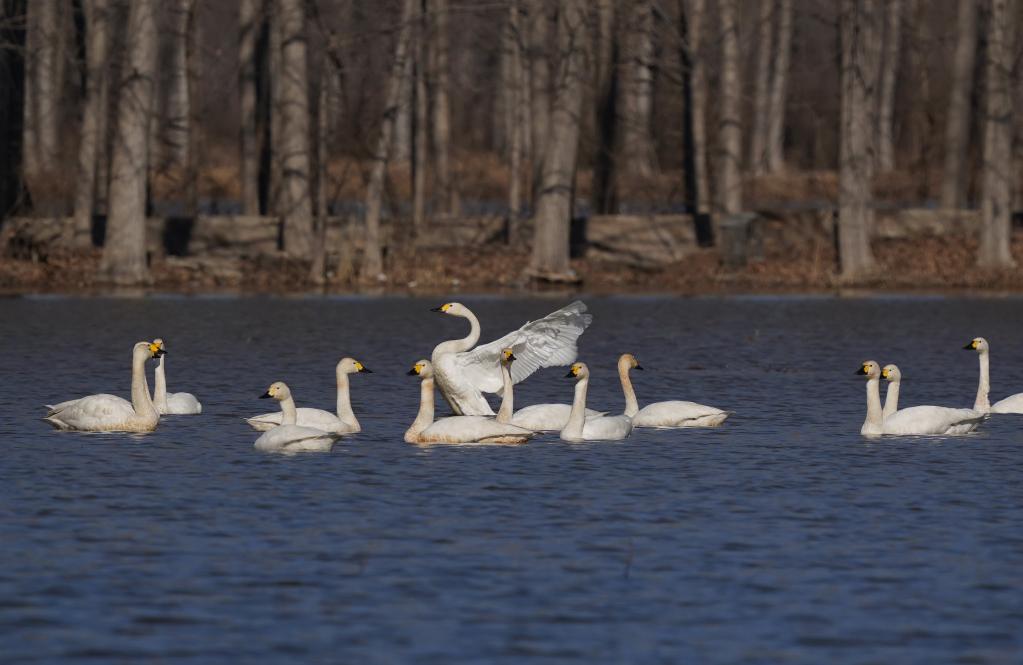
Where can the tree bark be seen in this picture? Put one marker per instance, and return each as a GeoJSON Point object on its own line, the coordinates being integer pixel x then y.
{"type": "Point", "coordinates": [997, 176]}
{"type": "Point", "coordinates": [550, 256]}
{"type": "Point", "coordinates": [775, 148]}
{"type": "Point", "coordinates": [957, 129]}
{"type": "Point", "coordinates": [765, 52]}
{"type": "Point", "coordinates": [296, 214]}
{"type": "Point", "coordinates": [730, 127]}
{"type": "Point", "coordinates": [854, 195]}
{"type": "Point", "coordinates": [539, 89]}
{"type": "Point", "coordinates": [176, 140]}
{"type": "Point", "coordinates": [96, 53]}
{"type": "Point", "coordinates": [892, 51]}
{"type": "Point", "coordinates": [420, 131]}
{"type": "Point", "coordinates": [44, 83]}
{"type": "Point", "coordinates": [249, 22]}
{"type": "Point", "coordinates": [447, 193]}
{"type": "Point", "coordinates": [604, 197]}
{"type": "Point", "coordinates": [12, 104]}
{"type": "Point", "coordinates": [638, 92]}
{"type": "Point", "coordinates": [695, 16]}
{"type": "Point", "coordinates": [402, 149]}
{"type": "Point", "coordinates": [517, 79]}
{"type": "Point", "coordinates": [373, 265]}
{"type": "Point", "coordinates": [124, 249]}
{"type": "Point", "coordinates": [324, 141]}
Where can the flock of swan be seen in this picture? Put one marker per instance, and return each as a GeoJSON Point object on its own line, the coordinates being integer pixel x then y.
{"type": "Point", "coordinates": [463, 371]}
{"type": "Point", "coordinates": [925, 420]}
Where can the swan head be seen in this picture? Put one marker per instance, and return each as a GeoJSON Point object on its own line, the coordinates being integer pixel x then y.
{"type": "Point", "coordinates": [157, 348]}
{"type": "Point", "coordinates": [277, 390]}
{"type": "Point", "coordinates": [507, 356]}
{"type": "Point", "coordinates": [892, 373]}
{"type": "Point", "coordinates": [978, 344]}
{"type": "Point", "coordinates": [422, 369]}
{"type": "Point", "coordinates": [351, 366]}
{"type": "Point", "coordinates": [870, 369]}
{"type": "Point", "coordinates": [452, 308]}
{"type": "Point", "coordinates": [628, 361]}
{"type": "Point", "coordinates": [578, 371]}
{"type": "Point", "coordinates": [149, 349]}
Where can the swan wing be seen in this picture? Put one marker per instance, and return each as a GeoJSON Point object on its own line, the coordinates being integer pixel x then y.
{"type": "Point", "coordinates": [678, 413]}
{"type": "Point", "coordinates": [923, 420]}
{"type": "Point", "coordinates": [1011, 404]}
{"type": "Point", "coordinates": [607, 428]}
{"type": "Point", "coordinates": [547, 417]}
{"type": "Point", "coordinates": [546, 342]}
{"type": "Point", "coordinates": [94, 411]}
{"type": "Point", "coordinates": [183, 404]}
{"type": "Point", "coordinates": [473, 429]}
{"type": "Point", "coordinates": [305, 417]}
{"type": "Point", "coordinates": [295, 438]}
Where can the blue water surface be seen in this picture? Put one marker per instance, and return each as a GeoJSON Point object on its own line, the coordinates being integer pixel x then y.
{"type": "Point", "coordinates": [781, 537]}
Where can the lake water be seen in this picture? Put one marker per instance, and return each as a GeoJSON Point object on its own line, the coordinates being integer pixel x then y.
{"type": "Point", "coordinates": [782, 537]}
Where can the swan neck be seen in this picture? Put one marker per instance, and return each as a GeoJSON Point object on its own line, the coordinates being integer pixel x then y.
{"type": "Point", "coordinates": [874, 412]}
{"type": "Point", "coordinates": [577, 417]}
{"type": "Point", "coordinates": [467, 342]}
{"type": "Point", "coordinates": [160, 387]}
{"type": "Point", "coordinates": [140, 399]}
{"type": "Point", "coordinates": [290, 413]}
{"type": "Point", "coordinates": [984, 386]}
{"type": "Point", "coordinates": [504, 414]}
{"type": "Point", "coordinates": [631, 404]}
{"type": "Point", "coordinates": [425, 416]}
{"type": "Point", "coordinates": [891, 399]}
{"type": "Point", "coordinates": [344, 401]}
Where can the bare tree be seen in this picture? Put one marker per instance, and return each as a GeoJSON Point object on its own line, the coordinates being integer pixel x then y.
{"type": "Point", "coordinates": [637, 94]}
{"type": "Point", "coordinates": [957, 130]}
{"type": "Point", "coordinates": [997, 176]}
{"type": "Point", "coordinates": [775, 148]}
{"type": "Point", "coordinates": [44, 83]}
{"type": "Point", "coordinates": [604, 196]}
{"type": "Point", "coordinates": [761, 102]}
{"type": "Point", "coordinates": [94, 112]}
{"type": "Point", "coordinates": [730, 124]}
{"type": "Point", "coordinates": [373, 264]}
{"type": "Point", "coordinates": [296, 213]}
{"type": "Point", "coordinates": [447, 194]}
{"type": "Point", "coordinates": [249, 23]}
{"type": "Point", "coordinates": [513, 44]}
{"type": "Point", "coordinates": [539, 87]}
{"type": "Point", "coordinates": [402, 149]}
{"type": "Point", "coordinates": [12, 102]}
{"type": "Point", "coordinates": [420, 133]}
{"type": "Point", "coordinates": [550, 257]}
{"type": "Point", "coordinates": [124, 249]}
{"type": "Point", "coordinates": [892, 51]}
{"type": "Point", "coordinates": [854, 190]}
{"type": "Point", "coordinates": [696, 14]}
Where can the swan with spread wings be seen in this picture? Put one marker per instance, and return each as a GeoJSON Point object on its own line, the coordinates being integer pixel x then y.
{"type": "Point", "coordinates": [465, 371]}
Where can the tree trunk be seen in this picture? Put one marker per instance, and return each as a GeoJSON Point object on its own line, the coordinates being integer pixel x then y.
{"type": "Point", "coordinates": [419, 152]}
{"type": "Point", "coordinates": [695, 16]}
{"type": "Point", "coordinates": [12, 104]}
{"type": "Point", "coordinates": [275, 40]}
{"type": "Point", "coordinates": [730, 127]}
{"type": "Point", "coordinates": [604, 199]}
{"type": "Point", "coordinates": [321, 148]}
{"type": "Point", "coordinates": [638, 92]}
{"type": "Point", "coordinates": [193, 134]}
{"type": "Point", "coordinates": [539, 89]}
{"type": "Point", "coordinates": [96, 53]}
{"type": "Point", "coordinates": [997, 176]}
{"type": "Point", "coordinates": [854, 190]}
{"type": "Point", "coordinates": [892, 51]}
{"type": "Point", "coordinates": [402, 148]}
{"type": "Point", "coordinates": [690, 157]}
{"type": "Point", "coordinates": [44, 83]}
{"type": "Point", "coordinates": [373, 264]}
{"type": "Point", "coordinates": [550, 257]}
{"type": "Point", "coordinates": [296, 214]}
{"type": "Point", "coordinates": [124, 249]}
{"type": "Point", "coordinates": [249, 22]}
{"type": "Point", "coordinates": [516, 80]}
{"type": "Point", "coordinates": [447, 193]}
{"type": "Point", "coordinates": [957, 131]}
{"type": "Point", "coordinates": [775, 148]}
{"type": "Point", "coordinates": [921, 123]}
{"type": "Point", "coordinates": [175, 140]}
{"type": "Point", "coordinates": [765, 51]}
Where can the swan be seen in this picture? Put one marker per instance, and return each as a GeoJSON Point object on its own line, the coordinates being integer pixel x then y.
{"type": "Point", "coordinates": [342, 422]}
{"type": "Point", "coordinates": [109, 413]}
{"type": "Point", "coordinates": [891, 398]}
{"type": "Point", "coordinates": [178, 404]}
{"type": "Point", "coordinates": [538, 417]}
{"type": "Point", "coordinates": [464, 373]}
{"type": "Point", "coordinates": [456, 429]}
{"type": "Point", "coordinates": [664, 415]}
{"type": "Point", "coordinates": [600, 428]}
{"type": "Point", "coordinates": [916, 420]}
{"type": "Point", "coordinates": [289, 437]}
{"type": "Point", "coordinates": [1011, 404]}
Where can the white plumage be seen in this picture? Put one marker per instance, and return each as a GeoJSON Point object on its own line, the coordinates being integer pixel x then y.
{"type": "Point", "coordinates": [664, 415]}
{"type": "Point", "coordinates": [178, 404]}
{"type": "Point", "coordinates": [289, 437]}
{"type": "Point", "coordinates": [1011, 404]}
{"type": "Point", "coordinates": [464, 373]}
{"type": "Point", "coordinates": [538, 417]}
{"type": "Point", "coordinates": [341, 422]}
{"type": "Point", "coordinates": [599, 428]}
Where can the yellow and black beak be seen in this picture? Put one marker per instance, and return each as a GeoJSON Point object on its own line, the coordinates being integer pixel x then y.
{"type": "Point", "coordinates": [971, 346]}
{"type": "Point", "coordinates": [265, 395]}
{"type": "Point", "coordinates": [884, 373]}
{"type": "Point", "coordinates": [862, 370]}
{"type": "Point", "coordinates": [443, 308]}
{"type": "Point", "coordinates": [436, 309]}
{"type": "Point", "coordinates": [413, 372]}
{"type": "Point", "coordinates": [362, 368]}
{"type": "Point", "coordinates": [157, 350]}
{"type": "Point", "coordinates": [510, 356]}
{"type": "Point", "coordinates": [638, 366]}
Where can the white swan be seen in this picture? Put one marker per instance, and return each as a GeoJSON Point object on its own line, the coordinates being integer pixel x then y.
{"type": "Point", "coordinates": [538, 417]}
{"type": "Point", "coordinates": [600, 428]}
{"type": "Point", "coordinates": [891, 398]}
{"type": "Point", "coordinates": [178, 404]}
{"type": "Point", "coordinates": [110, 413]}
{"type": "Point", "coordinates": [916, 420]}
{"type": "Point", "coordinates": [664, 415]}
{"type": "Point", "coordinates": [342, 422]}
{"type": "Point", "coordinates": [463, 373]}
{"type": "Point", "coordinates": [289, 437]}
{"type": "Point", "coordinates": [1011, 404]}
{"type": "Point", "coordinates": [456, 429]}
